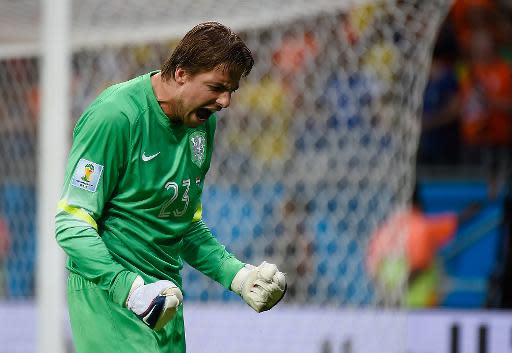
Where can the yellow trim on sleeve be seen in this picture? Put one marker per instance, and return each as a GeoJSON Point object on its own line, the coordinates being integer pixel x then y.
{"type": "Point", "coordinates": [198, 215]}
{"type": "Point", "coordinates": [77, 212]}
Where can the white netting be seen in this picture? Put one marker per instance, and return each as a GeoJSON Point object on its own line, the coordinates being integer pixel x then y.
{"type": "Point", "coordinates": [316, 150]}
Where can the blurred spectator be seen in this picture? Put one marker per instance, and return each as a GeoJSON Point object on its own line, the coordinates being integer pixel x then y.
{"type": "Point", "coordinates": [293, 248]}
{"type": "Point", "coordinates": [469, 16]}
{"type": "Point", "coordinates": [359, 21]}
{"type": "Point", "coordinates": [440, 143]}
{"type": "Point", "coordinates": [486, 104]}
{"type": "Point", "coordinates": [18, 125]}
{"type": "Point", "coordinates": [401, 255]}
{"type": "Point", "coordinates": [296, 52]}
{"type": "Point", "coordinates": [500, 286]}
{"type": "Point", "coordinates": [381, 60]}
{"type": "Point", "coordinates": [503, 32]}
{"type": "Point", "coordinates": [270, 103]}
{"type": "Point", "coordinates": [472, 59]}
{"type": "Point", "coordinates": [268, 109]}
{"type": "Point", "coordinates": [4, 248]}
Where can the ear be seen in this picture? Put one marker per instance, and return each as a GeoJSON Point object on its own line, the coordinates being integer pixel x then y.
{"type": "Point", "coordinates": [180, 75]}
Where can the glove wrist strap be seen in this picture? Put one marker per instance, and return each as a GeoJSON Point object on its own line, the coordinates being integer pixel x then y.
{"type": "Point", "coordinates": [238, 282]}
{"type": "Point", "coordinates": [138, 282]}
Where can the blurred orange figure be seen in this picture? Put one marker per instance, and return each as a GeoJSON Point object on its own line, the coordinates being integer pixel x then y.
{"type": "Point", "coordinates": [4, 249]}
{"type": "Point", "coordinates": [468, 16]}
{"type": "Point", "coordinates": [294, 55]}
{"type": "Point", "coordinates": [401, 255]}
{"type": "Point", "coordinates": [294, 52]}
{"type": "Point", "coordinates": [411, 232]}
{"type": "Point", "coordinates": [486, 95]}
{"type": "Point", "coordinates": [4, 239]}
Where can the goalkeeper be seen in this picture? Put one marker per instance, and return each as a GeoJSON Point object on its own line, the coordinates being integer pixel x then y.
{"type": "Point", "coordinates": [130, 211]}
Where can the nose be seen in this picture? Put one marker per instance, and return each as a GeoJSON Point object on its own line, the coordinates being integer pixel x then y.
{"type": "Point", "coordinates": [224, 99]}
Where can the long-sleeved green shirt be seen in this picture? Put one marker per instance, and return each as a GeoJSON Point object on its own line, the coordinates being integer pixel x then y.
{"type": "Point", "coordinates": [131, 202]}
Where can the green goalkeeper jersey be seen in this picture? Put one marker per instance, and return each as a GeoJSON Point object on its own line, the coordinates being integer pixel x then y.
{"type": "Point", "coordinates": [131, 202]}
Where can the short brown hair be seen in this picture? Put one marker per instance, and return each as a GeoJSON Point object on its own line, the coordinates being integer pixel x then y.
{"type": "Point", "coordinates": [207, 46]}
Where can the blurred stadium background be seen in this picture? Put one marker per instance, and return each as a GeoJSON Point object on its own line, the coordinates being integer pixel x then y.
{"type": "Point", "coordinates": [352, 107]}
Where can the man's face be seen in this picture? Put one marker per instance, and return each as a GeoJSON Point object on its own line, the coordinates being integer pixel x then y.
{"type": "Point", "coordinates": [202, 94]}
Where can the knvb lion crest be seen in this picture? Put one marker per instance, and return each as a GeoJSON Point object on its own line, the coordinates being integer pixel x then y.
{"type": "Point", "coordinates": [198, 147]}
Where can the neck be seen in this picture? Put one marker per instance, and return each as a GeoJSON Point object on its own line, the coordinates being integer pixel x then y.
{"type": "Point", "coordinates": [163, 91]}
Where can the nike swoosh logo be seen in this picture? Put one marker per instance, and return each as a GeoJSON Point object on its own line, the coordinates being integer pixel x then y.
{"type": "Point", "coordinates": [148, 158]}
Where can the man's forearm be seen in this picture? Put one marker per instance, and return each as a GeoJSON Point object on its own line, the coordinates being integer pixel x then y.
{"type": "Point", "coordinates": [203, 252]}
{"type": "Point", "coordinates": [90, 258]}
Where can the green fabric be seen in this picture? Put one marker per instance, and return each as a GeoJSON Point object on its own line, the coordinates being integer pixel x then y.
{"type": "Point", "coordinates": [140, 180]}
{"type": "Point", "coordinates": [506, 54]}
{"type": "Point", "coordinates": [101, 326]}
{"type": "Point", "coordinates": [200, 250]}
{"type": "Point", "coordinates": [144, 209]}
{"type": "Point", "coordinates": [423, 290]}
{"type": "Point", "coordinates": [392, 272]}
{"type": "Point", "coordinates": [92, 259]}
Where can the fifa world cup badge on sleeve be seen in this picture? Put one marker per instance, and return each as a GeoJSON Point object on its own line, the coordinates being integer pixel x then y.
{"type": "Point", "coordinates": [87, 175]}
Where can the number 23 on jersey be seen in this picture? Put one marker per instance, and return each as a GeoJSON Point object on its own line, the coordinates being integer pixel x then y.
{"type": "Point", "coordinates": [174, 207]}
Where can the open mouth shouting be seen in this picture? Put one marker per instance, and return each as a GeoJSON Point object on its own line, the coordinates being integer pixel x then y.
{"type": "Point", "coordinates": [203, 114]}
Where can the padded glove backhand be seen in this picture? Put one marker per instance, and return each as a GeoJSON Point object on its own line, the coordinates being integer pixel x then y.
{"type": "Point", "coordinates": [261, 287]}
{"type": "Point", "coordinates": [156, 303]}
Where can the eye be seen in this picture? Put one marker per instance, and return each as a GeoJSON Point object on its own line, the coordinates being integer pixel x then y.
{"type": "Point", "coordinates": [215, 88]}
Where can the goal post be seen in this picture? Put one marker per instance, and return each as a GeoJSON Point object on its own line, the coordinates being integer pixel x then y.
{"type": "Point", "coordinates": [317, 149]}
{"type": "Point", "coordinates": [54, 123]}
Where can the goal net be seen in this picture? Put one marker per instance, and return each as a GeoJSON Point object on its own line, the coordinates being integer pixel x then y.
{"type": "Point", "coordinates": [317, 149]}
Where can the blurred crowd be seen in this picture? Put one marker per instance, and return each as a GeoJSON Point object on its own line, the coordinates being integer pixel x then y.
{"type": "Point", "coordinates": [337, 134]}
{"type": "Point", "coordinates": [467, 109]}
{"type": "Point", "coordinates": [466, 126]}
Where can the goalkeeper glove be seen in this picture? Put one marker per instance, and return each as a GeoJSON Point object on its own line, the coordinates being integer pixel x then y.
{"type": "Point", "coordinates": [261, 287]}
{"type": "Point", "coordinates": [156, 303]}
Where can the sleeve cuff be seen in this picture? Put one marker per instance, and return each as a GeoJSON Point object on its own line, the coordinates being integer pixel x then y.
{"type": "Point", "coordinates": [229, 269]}
{"type": "Point", "coordinates": [121, 287]}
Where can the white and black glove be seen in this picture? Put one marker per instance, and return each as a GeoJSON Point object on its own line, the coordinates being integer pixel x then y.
{"type": "Point", "coordinates": [156, 303]}
{"type": "Point", "coordinates": [261, 287]}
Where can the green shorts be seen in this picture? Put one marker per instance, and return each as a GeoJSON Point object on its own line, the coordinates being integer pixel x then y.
{"type": "Point", "coordinates": [101, 326]}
